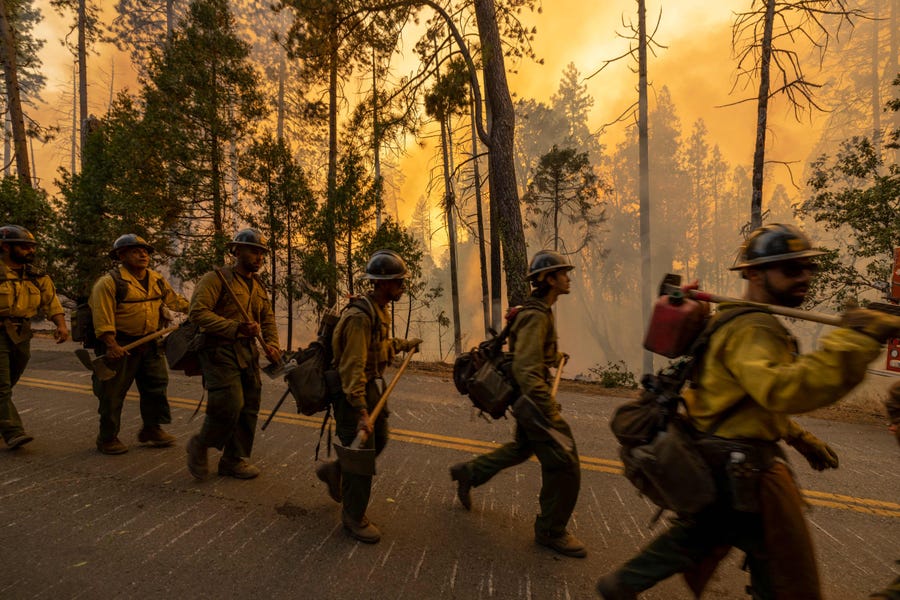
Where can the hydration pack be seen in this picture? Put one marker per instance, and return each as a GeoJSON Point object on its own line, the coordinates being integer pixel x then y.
{"type": "Point", "coordinates": [82, 319]}
{"type": "Point", "coordinates": [484, 373]}
{"type": "Point", "coordinates": [314, 383]}
{"type": "Point", "coordinates": [658, 442]}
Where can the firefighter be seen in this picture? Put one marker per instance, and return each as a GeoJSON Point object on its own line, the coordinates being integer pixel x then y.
{"type": "Point", "coordinates": [754, 375]}
{"type": "Point", "coordinates": [533, 344]}
{"type": "Point", "coordinates": [24, 291]}
{"type": "Point", "coordinates": [363, 348]}
{"type": "Point", "coordinates": [126, 305]}
{"type": "Point", "coordinates": [230, 358]}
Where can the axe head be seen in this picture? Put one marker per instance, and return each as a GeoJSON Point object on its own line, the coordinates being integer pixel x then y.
{"type": "Point", "coordinates": [85, 357]}
{"type": "Point", "coordinates": [280, 369]}
{"type": "Point", "coordinates": [360, 461]}
{"type": "Point", "coordinates": [97, 365]}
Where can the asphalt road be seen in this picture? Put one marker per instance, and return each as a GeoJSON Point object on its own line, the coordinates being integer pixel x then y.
{"type": "Point", "coordinates": [78, 524]}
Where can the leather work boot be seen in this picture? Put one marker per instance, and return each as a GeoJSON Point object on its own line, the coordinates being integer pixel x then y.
{"type": "Point", "coordinates": [566, 544]}
{"type": "Point", "coordinates": [463, 477]}
{"type": "Point", "coordinates": [155, 436]}
{"type": "Point", "coordinates": [240, 469]}
{"type": "Point", "coordinates": [362, 530]}
{"type": "Point", "coordinates": [18, 439]}
{"type": "Point", "coordinates": [330, 474]}
{"type": "Point", "coordinates": [197, 462]}
{"type": "Point", "coordinates": [609, 588]}
{"type": "Point", "coordinates": [113, 446]}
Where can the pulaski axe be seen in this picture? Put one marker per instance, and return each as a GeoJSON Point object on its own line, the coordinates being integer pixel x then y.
{"type": "Point", "coordinates": [101, 367]}
{"type": "Point", "coordinates": [274, 370]}
{"type": "Point", "coordinates": [361, 461]}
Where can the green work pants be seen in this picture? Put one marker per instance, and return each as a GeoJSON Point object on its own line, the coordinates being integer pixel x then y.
{"type": "Point", "coordinates": [146, 367]}
{"type": "Point", "coordinates": [233, 397]}
{"type": "Point", "coordinates": [690, 541]}
{"type": "Point", "coordinates": [13, 359]}
{"type": "Point", "coordinates": [560, 475]}
{"type": "Point", "coordinates": [356, 489]}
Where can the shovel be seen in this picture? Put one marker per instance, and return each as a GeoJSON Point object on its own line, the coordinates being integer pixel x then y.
{"type": "Point", "coordinates": [99, 366]}
{"type": "Point", "coordinates": [274, 370]}
{"type": "Point", "coordinates": [361, 461]}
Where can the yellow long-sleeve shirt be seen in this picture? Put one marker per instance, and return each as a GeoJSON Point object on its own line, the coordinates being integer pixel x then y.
{"type": "Point", "coordinates": [753, 361]}
{"type": "Point", "coordinates": [361, 356]}
{"type": "Point", "coordinates": [533, 342]}
{"type": "Point", "coordinates": [23, 295]}
{"type": "Point", "coordinates": [138, 314]}
{"type": "Point", "coordinates": [214, 311]}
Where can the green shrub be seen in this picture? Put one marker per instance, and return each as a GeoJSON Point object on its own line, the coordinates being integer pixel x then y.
{"type": "Point", "coordinates": [614, 375]}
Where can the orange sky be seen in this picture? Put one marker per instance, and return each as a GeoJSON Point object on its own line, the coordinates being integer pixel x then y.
{"type": "Point", "coordinates": [696, 66]}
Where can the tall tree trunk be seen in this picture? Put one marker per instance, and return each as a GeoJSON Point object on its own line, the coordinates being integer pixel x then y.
{"type": "Point", "coordinates": [496, 268]}
{"type": "Point", "coordinates": [876, 79]}
{"type": "Point", "coordinates": [82, 73]}
{"type": "Point", "coordinates": [556, 215]}
{"type": "Point", "coordinates": [500, 153]}
{"type": "Point", "coordinates": [893, 63]}
{"type": "Point", "coordinates": [170, 18]}
{"type": "Point", "coordinates": [73, 158]}
{"type": "Point", "coordinates": [644, 177]}
{"type": "Point", "coordinates": [330, 200]}
{"type": "Point", "coordinates": [13, 97]}
{"type": "Point", "coordinates": [762, 107]}
{"type": "Point", "coordinates": [449, 204]}
{"type": "Point", "coordinates": [376, 143]}
{"type": "Point", "coordinates": [289, 272]}
{"type": "Point", "coordinates": [279, 102]}
{"type": "Point", "coordinates": [270, 202]}
{"type": "Point", "coordinates": [349, 262]}
{"type": "Point", "coordinates": [216, 184]}
{"type": "Point", "coordinates": [7, 145]}
{"type": "Point", "coordinates": [479, 213]}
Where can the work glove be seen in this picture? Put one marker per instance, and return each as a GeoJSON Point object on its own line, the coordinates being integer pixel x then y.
{"type": "Point", "coordinates": [362, 423]}
{"type": "Point", "coordinates": [877, 325]}
{"type": "Point", "coordinates": [273, 353]}
{"type": "Point", "coordinates": [817, 453]}
{"type": "Point", "coordinates": [248, 329]}
{"type": "Point", "coordinates": [412, 344]}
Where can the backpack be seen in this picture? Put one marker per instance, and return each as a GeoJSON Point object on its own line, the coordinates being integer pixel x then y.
{"type": "Point", "coordinates": [82, 319]}
{"type": "Point", "coordinates": [484, 373]}
{"type": "Point", "coordinates": [182, 348]}
{"type": "Point", "coordinates": [314, 383]}
{"type": "Point", "coordinates": [659, 444]}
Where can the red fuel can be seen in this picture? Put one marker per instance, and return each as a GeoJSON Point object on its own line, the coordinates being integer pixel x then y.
{"type": "Point", "coordinates": [675, 324]}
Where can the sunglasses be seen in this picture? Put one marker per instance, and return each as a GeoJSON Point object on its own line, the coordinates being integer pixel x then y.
{"type": "Point", "coordinates": [795, 268]}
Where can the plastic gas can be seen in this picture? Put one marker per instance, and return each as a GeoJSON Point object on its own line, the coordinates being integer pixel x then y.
{"type": "Point", "coordinates": [674, 325]}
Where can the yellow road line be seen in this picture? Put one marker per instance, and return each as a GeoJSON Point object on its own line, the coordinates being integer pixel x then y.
{"type": "Point", "coordinates": [867, 506]}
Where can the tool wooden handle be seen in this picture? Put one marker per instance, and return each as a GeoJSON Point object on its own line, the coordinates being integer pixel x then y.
{"type": "Point", "coordinates": [361, 436]}
{"type": "Point", "coordinates": [559, 370]}
{"type": "Point", "coordinates": [149, 337]}
{"type": "Point", "coordinates": [390, 388]}
{"type": "Point", "coordinates": [241, 309]}
{"type": "Point", "coordinates": [795, 313]}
